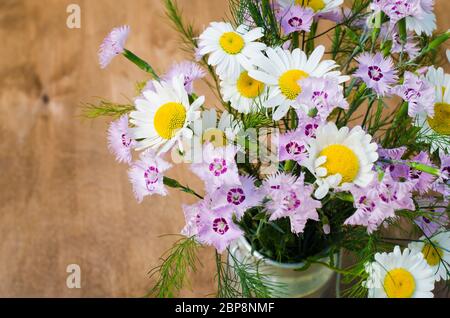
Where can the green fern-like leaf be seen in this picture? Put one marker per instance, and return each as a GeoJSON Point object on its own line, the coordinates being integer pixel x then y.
{"type": "Point", "coordinates": [177, 263]}
{"type": "Point", "coordinates": [105, 108]}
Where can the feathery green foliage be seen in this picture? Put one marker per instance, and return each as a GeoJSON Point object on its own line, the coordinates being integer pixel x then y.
{"type": "Point", "coordinates": [188, 39]}
{"type": "Point", "coordinates": [256, 120]}
{"type": "Point", "coordinates": [185, 30]}
{"type": "Point", "coordinates": [177, 263]}
{"type": "Point", "coordinates": [260, 13]}
{"type": "Point", "coordinates": [106, 108]}
{"type": "Point", "coordinates": [237, 278]}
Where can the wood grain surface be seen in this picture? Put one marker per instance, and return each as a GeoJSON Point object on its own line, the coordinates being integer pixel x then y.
{"type": "Point", "coordinates": [63, 198]}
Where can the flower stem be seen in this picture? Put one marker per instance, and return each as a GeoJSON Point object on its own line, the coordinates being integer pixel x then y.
{"type": "Point", "coordinates": [416, 166]}
{"type": "Point", "coordinates": [172, 183]}
{"type": "Point", "coordinates": [140, 63]}
{"type": "Point", "coordinates": [402, 30]}
{"type": "Point", "coordinates": [289, 165]}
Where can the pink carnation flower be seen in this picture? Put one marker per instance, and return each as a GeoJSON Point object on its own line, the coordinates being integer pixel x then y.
{"type": "Point", "coordinates": [146, 175]}
{"type": "Point", "coordinates": [403, 175]}
{"type": "Point", "coordinates": [296, 18]}
{"type": "Point", "coordinates": [191, 72]}
{"type": "Point", "coordinates": [379, 201]}
{"type": "Point", "coordinates": [119, 140]}
{"type": "Point", "coordinates": [191, 216]}
{"type": "Point", "coordinates": [419, 14]}
{"type": "Point", "coordinates": [211, 225]}
{"type": "Point", "coordinates": [308, 125]}
{"type": "Point", "coordinates": [322, 94]}
{"type": "Point", "coordinates": [113, 45]}
{"type": "Point", "coordinates": [418, 93]}
{"type": "Point", "coordinates": [241, 197]}
{"type": "Point", "coordinates": [411, 47]}
{"type": "Point", "coordinates": [276, 183]}
{"type": "Point", "coordinates": [371, 211]}
{"type": "Point", "coordinates": [435, 220]}
{"type": "Point", "coordinates": [218, 167]}
{"type": "Point", "coordinates": [292, 146]}
{"type": "Point", "coordinates": [424, 180]}
{"type": "Point", "coordinates": [336, 15]}
{"type": "Point", "coordinates": [397, 192]}
{"type": "Point", "coordinates": [290, 197]}
{"type": "Point", "coordinates": [216, 227]}
{"type": "Point", "coordinates": [377, 72]}
{"type": "Point", "coordinates": [442, 184]}
{"type": "Point", "coordinates": [393, 154]}
{"type": "Point", "coordinates": [398, 9]}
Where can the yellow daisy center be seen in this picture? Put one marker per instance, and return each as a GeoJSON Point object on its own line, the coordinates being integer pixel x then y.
{"type": "Point", "coordinates": [288, 83]}
{"type": "Point", "coordinates": [232, 43]}
{"type": "Point", "coordinates": [432, 254]}
{"type": "Point", "coordinates": [215, 136]}
{"type": "Point", "coordinates": [399, 283]}
{"type": "Point", "coordinates": [342, 160]}
{"type": "Point", "coordinates": [440, 123]}
{"type": "Point", "coordinates": [249, 87]}
{"type": "Point", "coordinates": [169, 118]}
{"type": "Point", "coordinates": [316, 5]}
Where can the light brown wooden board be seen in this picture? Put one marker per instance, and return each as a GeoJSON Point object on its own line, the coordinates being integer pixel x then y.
{"type": "Point", "coordinates": [63, 198]}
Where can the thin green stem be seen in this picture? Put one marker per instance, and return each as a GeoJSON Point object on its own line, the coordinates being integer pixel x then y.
{"type": "Point", "coordinates": [415, 165]}
{"type": "Point", "coordinates": [143, 65]}
{"type": "Point", "coordinates": [172, 183]}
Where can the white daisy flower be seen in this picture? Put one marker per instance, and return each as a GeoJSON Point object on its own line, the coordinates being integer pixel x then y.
{"type": "Point", "coordinates": [244, 93]}
{"type": "Point", "coordinates": [438, 77]}
{"type": "Point", "coordinates": [209, 128]}
{"type": "Point", "coordinates": [341, 158]}
{"type": "Point", "coordinates": [319, 6]}
{"type": "Point", "coordinates": [229, 49]}
{"type": "Point", "coordinates": [436, 251]}
{"type": "Point", "coordinates": [163, 115]}
{"type": "Point", "coordinates": [399, 275]}
{"type": "Point", "coordinates": [282, 70]}
{"type": "Point", "coordinates": [436, 130]}
{"type": "Point", "coordinates": [218, 132]}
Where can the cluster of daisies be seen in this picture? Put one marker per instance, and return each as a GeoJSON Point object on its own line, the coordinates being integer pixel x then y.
{"type": "Point", "coordinates": [170, 118]}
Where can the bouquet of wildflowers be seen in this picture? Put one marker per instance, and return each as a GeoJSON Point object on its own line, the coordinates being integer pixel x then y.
{"type": "Point", "coordinates": [309, 151]}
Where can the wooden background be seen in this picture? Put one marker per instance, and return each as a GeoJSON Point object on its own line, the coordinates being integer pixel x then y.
{"type": "Point", "coordinates": [63, 199]}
